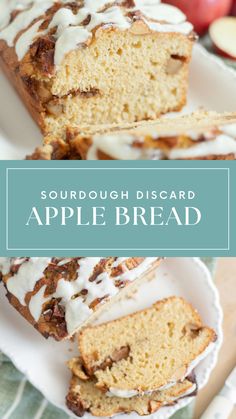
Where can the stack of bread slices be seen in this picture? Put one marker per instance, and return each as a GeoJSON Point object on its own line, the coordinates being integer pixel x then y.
{"type": "Point", "coordinates": [140, 362]}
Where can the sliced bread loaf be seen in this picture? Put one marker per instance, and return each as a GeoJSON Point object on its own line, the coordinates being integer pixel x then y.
{"type": "Point", "coordinates": [84, 396]}
{"type": "Point", "coordinates": [201, 135]}
{"type": "Point", "coordinates": [146, 351]}
{"type": "Point", "coordinates": [198, 136]}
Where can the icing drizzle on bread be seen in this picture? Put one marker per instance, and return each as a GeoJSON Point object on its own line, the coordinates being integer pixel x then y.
{"type": "Point", "coordinates": [71, 289]}
{"type": "Point", "coordinates": [72, 28]}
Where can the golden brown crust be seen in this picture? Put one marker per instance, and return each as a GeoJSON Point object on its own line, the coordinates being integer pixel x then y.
{"type": "Point", "coordinates": [49, 325]}
{"type": "Point", "coordinates": [23, 86]}
{"type": "Point", "coordinates": [57, 150]}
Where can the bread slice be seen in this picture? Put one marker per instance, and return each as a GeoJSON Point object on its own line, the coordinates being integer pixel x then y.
{"type": "Point", "coordinates": [94, 62]}
{"type": "Point", "coordinates": [201, 135]}
{"type": "Point", "coordinates": [60, 295]}
{"type": "Point", "coordinates": [84, 396]}
{"type": "Point", "coordinates": [145, 351]}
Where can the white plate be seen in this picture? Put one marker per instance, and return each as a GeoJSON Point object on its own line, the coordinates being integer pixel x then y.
{"type": "Point", "coordinates": [212, 86]}
{"type": "Point", "coordinates": [43, 361]}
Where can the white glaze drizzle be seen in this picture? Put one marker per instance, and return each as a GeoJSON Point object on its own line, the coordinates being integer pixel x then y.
{"type": "Point", "coordinates": [70, 39]}
{"type": "Point", "coordinates": [8, 6]}
{"type": "Point", "coordinates": [185, 28]}
{"type": "Point", "coordinates": [124, 394]}
{"type": "Point", "coordinates": [114, 145]}
{"type": "Point", "coordinates": [196, 136]}
{"type": "Point", "coordinates": [5, 265]}
{"type": "Point", "coordinates": [96, 6]}
{"type": "Point", "coordinates": [67, 289]}
{"type": "Point", "coordinates": [70, 33]}
{"type": "Point", "coordinates": [76, 307]}
{"type": "Point", "coordinates": [120, 146]}
{"type": "Point", "coordinates": [221, 145]}
{"type": "Point", "coordinates": [26, 39]}
{"type": "Point", "coordinates": [229, 130]}
{"type": "Point", "coordinates": [36, 303]}
{"type": "Point", "coordinates": [64, 18]}
{"type": "Point", "coordinates": [127, 394]}
{"type": "Point", "coordinates": [161, 12]}
{"type": "Point", "coordinates": [23, 20]}
{"type": "Point", "coordinates": [24, 281]}
{"type": "Point", "coordinates": [113, 15]}
{"type": "Point", "coordinates": [155, 10]}
{"type": "Point", "coordinates": [76, 314]}
{"type": "Point", "coordinates": [130, 393]}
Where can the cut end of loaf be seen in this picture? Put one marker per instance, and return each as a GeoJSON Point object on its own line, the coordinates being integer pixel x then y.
{"type": "Point", "coordinates": [125, 87]}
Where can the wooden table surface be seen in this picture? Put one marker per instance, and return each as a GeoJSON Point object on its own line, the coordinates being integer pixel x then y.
{"type": "Point", "coordinates": [225, 279]}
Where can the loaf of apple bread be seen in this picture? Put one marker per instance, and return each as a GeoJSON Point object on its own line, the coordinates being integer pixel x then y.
{"type": "Point", "coordinates": [95, 62]}
{"type": "Point", "coordinates": [59, 295]}
{"type": "Point", "coordinates": [199, 136]}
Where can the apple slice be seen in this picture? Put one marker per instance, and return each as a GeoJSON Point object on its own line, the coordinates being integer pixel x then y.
{"type": "Point", "coordinates": [223, 36]}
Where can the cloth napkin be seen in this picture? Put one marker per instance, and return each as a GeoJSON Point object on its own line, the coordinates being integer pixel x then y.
{"type": "Point", "coordinates": [19, 399]}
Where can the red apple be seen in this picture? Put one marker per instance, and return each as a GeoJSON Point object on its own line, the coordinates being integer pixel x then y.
{"type": "Point", "coordinates": [233, 11]}
{"type": "Point", "coordinates": [223, 36]}
{"type": "Point", "coordinates": [201, 13]}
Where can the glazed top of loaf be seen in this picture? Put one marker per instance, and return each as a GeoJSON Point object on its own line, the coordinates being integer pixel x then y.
{"type": "Point", "coordinates": [118, 145]}
{"type": "Point", "coordinates": [71, 24]}
{"type": "Point", "coordinates": [79, 284]}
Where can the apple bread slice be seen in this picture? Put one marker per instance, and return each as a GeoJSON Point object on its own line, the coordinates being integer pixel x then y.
{"type": "Point", "coordinates": [146, 351]}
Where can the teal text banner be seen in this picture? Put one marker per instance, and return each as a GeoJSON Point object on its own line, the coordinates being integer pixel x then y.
{"type": "Point", "coordinates": [118, 208]}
